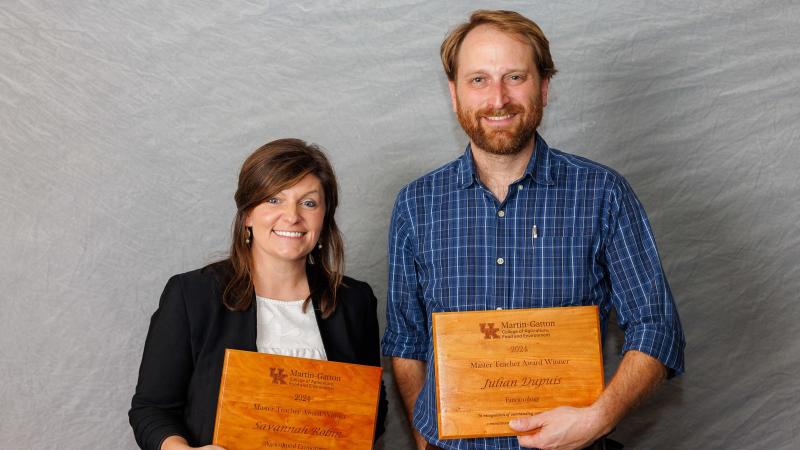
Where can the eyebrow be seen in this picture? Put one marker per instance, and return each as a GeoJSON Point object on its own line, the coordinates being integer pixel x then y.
{"type": "Point", "coordinates": [488, 72]}
{"type": "Point", "coordinates": [315, 191]}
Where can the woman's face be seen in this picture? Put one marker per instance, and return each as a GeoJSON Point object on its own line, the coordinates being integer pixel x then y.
{"type": "Point", "coordinates": [287, 226]}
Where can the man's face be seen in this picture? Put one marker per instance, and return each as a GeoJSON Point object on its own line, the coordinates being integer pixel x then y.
{"type": "Point", "coordinates": [497, 94]}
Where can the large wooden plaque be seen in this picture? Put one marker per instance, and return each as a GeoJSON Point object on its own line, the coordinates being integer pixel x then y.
{"type": "Point", "coordinates": [280, 402]}
{"type": "Point", "coordinates": [494, 366]}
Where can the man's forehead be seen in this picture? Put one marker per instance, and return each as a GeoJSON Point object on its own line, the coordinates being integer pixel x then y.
{"type": "Point", "coordinates": [490, 33]}
{"type": "Point", "coordinates": [486, 43]}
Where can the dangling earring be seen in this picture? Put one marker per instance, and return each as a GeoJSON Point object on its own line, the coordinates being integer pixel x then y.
{"type": "Point", "coordinates": [319, 246]}
{"type": "Point", "coordinates": [249, 235]}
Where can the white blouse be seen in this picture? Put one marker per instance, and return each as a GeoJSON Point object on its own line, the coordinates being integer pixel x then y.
{"type": "Point", "coordinates": [282, 328]}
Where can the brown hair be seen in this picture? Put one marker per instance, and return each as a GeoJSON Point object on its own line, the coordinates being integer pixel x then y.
{"type": "Point", "coordinates": [506, 21]}
{"type": "Point", "coordinates": [272, 168]}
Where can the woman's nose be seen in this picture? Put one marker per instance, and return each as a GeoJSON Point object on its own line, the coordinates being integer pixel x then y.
{"type": "Point", "coordinates": [290, 214]}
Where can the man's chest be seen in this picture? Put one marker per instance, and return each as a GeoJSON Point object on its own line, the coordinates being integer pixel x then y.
{"type": "Point", "coordinates": [536, 249]}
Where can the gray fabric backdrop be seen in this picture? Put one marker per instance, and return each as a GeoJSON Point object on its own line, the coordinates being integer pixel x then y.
{"type": "Point", "coordinates": [123, 125]}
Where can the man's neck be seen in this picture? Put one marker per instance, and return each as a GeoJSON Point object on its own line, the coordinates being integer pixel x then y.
{"type": "Point", "coordinates": [496, 172]}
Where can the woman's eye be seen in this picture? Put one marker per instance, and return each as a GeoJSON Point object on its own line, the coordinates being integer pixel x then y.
{"type": "Point", "coordinates": [309, 203]}
{"type": "Point", "coordinates": [272, 201]}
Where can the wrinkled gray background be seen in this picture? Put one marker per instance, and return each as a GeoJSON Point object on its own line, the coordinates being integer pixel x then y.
{"type": "Point", "coordinates": [123, 125]}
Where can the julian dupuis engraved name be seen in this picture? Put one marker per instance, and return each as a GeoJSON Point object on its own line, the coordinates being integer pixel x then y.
{"type": "Point", "coordinates": [533, 382]}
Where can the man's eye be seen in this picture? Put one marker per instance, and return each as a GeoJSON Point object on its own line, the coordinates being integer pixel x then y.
{"type": "Point", "coordinates": [477, 80]}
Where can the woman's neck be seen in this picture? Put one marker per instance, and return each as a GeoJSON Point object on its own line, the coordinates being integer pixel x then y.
{"type": "Point", "coordinates": [280, 281]}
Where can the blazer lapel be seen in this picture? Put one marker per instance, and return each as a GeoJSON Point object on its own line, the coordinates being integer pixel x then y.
{"type": "Point", "coordinates": [333, 330]}
{"type": "Point", "coordinates": [335, 338]}
{"type": "Point", "coordinates": [240, 326]}
{"type": "Point", "coordinates": [250, 326]}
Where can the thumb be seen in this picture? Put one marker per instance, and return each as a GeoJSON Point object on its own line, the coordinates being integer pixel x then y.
{"type": "Point", "coordinates": [526, 423]}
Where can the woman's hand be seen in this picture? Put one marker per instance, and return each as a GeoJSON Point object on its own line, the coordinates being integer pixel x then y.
{"type": "Point", "coordinates": [179, 443]}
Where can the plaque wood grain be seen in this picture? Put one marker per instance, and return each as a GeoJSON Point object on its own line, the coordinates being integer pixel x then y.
{"type": "Point", "coordinates": [494, 366]}
{"type": "Point", "coordinates": [278, 402]}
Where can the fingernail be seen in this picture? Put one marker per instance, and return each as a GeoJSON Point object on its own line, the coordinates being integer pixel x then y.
{"type": "Point", "coordinates": [515, 423]}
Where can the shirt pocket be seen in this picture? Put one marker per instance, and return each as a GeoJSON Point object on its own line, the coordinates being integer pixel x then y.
{"type": "Point", "coordinates": [561, 270]}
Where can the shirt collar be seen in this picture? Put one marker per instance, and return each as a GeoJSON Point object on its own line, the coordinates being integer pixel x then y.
{"type": "Point", "coordinates": [538, 167]}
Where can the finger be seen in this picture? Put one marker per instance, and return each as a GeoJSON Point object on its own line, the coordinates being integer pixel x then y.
{"type": "Point", "coordinates": [527, 423]}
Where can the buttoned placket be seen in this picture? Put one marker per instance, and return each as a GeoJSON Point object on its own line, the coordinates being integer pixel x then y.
{"type": "Point", "coordinates": [504, 269]}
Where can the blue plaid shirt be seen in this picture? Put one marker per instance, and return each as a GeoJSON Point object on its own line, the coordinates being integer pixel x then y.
{"type": "Point", "coordinates": [454, 247]}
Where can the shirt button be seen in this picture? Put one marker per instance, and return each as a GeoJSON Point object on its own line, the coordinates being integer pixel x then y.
{"type": "Point", "coordinates": [519, 187]}
{"type": "Point", "coordinates": [501, 213]}
{"type": "Point", "coordinates": [500, 261]}
{"type": "Point", "coordinates": [499, 308]}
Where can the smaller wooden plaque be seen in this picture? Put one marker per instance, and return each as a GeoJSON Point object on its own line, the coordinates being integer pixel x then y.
{"type": "Point", "coordinates": [494, 366]}
{"type": "Point", "coordinates": [281, 402]}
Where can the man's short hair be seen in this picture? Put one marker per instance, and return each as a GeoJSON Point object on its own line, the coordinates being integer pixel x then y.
{"type": "Point", "coordinates": [507, 21]}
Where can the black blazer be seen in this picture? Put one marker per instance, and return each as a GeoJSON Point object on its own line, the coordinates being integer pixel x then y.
{"type": "Point", "coordinates": [182, 362]}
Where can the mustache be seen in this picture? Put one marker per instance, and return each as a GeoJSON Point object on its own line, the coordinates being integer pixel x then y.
{"type": "Point", "coordinates": [506, 110]}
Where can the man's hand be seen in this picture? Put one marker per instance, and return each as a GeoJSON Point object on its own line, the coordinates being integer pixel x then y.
{"type": "Point", "coordinates": [564, 428]}
{"type": "Point", "coordinates": [572, 428]}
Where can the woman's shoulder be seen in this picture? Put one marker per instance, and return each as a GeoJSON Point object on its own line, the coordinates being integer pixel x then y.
{"type": "Point", "coordinates": [354, 284]}
{"type": "Point", "coordinates": [213, 273]}
{"type": "Point", "coordinates": [203, 281]}
{"type": "Point", "coordinates": [354, 290]}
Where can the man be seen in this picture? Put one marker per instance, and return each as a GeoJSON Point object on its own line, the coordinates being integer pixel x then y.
{"type": "Point", "coordinates": [513, 223]}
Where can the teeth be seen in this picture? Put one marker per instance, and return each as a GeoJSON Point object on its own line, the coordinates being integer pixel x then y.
{"type": "Point", "coordinates": [498, 117]}
{"type": "Point", "coordinates": [288, 233]}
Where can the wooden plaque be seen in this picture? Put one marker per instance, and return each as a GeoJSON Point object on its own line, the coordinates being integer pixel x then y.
{"type": "Point", "coordinates": [494, 366]}
{"type": "Point", "coordinates": [280, 402]}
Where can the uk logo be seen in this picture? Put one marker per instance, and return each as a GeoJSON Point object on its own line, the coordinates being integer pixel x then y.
{"type": "Point", "coordinates": [489, 331]}
{"type": "Point", "coordinates": [278, 376]}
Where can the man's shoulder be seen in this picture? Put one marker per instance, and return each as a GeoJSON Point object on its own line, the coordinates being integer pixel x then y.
{"type": "Point", "coordinates": [445, 173]}
{"type": "Point", "coordinates": [581, 163]}
{"type": "Point", "coordinates": [562, 163]}
{"type": "Point", "coordinates": [441, 178]}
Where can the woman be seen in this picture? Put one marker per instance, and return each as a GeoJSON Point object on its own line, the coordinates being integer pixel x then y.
{"type": "Point", "coordinates": [281, 291]}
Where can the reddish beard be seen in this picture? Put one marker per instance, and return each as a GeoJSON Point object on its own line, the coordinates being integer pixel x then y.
{"type": "Point", "coordinates": [502, 141]}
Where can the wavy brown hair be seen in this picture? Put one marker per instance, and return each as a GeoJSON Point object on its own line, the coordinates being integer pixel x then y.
{"type": "Point", "coordinates": [272, 168]}
{"type": "Point", "coordinates": [507, 21]}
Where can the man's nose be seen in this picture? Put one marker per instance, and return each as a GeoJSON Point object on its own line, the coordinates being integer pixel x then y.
{"type": "Point", "coordinates": [498, 95]}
